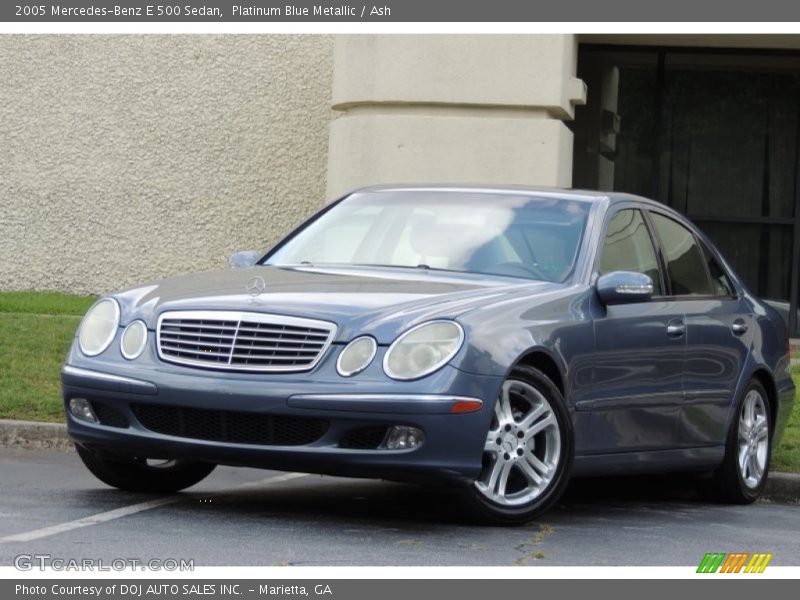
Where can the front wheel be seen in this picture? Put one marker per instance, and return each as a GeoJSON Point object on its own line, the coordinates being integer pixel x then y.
{"type": "Point", "coordinates": [527, 456]}
{"type": "Point", "coordinates": [135, 474]}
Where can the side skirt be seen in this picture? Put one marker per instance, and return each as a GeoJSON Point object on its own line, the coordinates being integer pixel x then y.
{"type": "Point", "coordinates": [655, 461]}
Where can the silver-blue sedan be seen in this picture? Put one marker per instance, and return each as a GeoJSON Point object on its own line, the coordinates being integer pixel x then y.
{"type": "Point", "coordinates": [503, 340]}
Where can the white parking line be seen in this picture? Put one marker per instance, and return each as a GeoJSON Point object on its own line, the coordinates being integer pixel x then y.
{"type": "Point", "coordinates": [118, 513]}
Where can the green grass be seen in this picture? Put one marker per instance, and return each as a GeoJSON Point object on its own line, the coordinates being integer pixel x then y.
{"type": "Point", "coordinates": [45, 303]}
{"type": "Point", "coordinates": [786, 457]}
{"type": "Point", "coordinates": [36, 329]}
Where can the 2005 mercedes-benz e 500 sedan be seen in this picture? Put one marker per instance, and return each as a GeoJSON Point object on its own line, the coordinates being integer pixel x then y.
{"type": "Point", "coordinates": [503, 340]}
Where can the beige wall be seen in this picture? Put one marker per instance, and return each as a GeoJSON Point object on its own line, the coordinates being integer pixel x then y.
{"type": "Point", "coordinates": [487, 109]}
{"type": "Point", "coordinates": [128, 158]}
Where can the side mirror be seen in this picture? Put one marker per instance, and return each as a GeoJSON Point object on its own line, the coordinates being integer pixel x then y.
{"type": "Point", "coordinates": [624, 287]}
{"type": "Point", "coordinates": [243, 259]}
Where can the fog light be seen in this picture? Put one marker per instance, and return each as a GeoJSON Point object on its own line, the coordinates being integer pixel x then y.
{"type": "Point", "coordinates": [403, 438]}
{"type": "Point", "coordinates": [82, 409]}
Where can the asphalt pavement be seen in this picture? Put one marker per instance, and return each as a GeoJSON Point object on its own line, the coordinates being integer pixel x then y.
{"type": "Point", "coordinates": [50, 504]}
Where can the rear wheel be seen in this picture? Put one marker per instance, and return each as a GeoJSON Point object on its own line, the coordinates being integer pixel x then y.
{"type": "Point", "coordinates": [141, 474]}
{"type": "Point", "coordinates": [743, 473]}
{"type": "Point", "coordinates": [528, 451]}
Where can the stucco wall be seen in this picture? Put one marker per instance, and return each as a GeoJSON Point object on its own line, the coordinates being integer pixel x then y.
{"type": "Point", "coordinates": [128, 158]}
{"type": "Point", "coordinates": [486, 109]}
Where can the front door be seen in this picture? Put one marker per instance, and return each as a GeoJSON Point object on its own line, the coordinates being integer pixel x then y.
{"type": "Point", "coordinates": [638, 357]}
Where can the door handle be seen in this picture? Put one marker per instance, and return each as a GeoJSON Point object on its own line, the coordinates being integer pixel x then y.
{"type": "Point", "coordinates": [739, 327]}
{"type": "Point", "coordinates": [676, 329]}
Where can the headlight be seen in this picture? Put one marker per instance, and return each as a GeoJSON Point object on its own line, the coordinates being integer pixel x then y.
{"type": "Point", "coordinates": [356, 356]}
{"type": "Point", "coordinates": [99, 327]}
{"type": "Point", "coordinates": [423, 349]}
{"type": "Point", "coordinates": [133, 340]}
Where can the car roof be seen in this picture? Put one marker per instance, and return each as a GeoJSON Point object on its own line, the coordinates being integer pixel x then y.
{"type": "Point", "coordinates": [566, 193]}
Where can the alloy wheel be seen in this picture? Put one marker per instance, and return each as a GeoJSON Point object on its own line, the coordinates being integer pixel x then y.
{"type": "Point", "coordinates": [523, 447]}
{"type": "Point", "coordinates": [753, 439]}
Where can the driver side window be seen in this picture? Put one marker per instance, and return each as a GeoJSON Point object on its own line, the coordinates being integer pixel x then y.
{"type": "Point", "coordinates": [627, 246]}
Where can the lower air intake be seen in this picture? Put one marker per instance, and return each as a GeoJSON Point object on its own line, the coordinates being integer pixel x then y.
{"type": "Point", "coordinates": [230, 426]}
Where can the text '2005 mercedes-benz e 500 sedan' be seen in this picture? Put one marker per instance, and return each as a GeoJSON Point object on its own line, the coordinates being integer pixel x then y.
{"type": "Point", "coordinates": [500, 340]}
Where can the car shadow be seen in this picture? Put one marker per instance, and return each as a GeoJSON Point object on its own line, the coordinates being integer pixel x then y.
{"type": "Point", "coordinates": [398, 505]}
{"type": "Point", "coordinates": [407, 505]}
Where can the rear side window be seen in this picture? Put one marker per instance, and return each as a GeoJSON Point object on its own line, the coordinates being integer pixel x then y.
{"type": "Point", "coordinates": [628, 247]}
{"type": "Point", "coordinates": [720, 282]}
{"type": "Point", "coordinates": [685, 261]}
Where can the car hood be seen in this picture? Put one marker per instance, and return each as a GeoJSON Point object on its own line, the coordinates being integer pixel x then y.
{"type": "Point", "coordinates": [378, 301]}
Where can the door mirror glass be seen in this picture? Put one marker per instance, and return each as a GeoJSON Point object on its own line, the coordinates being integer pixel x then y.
{"type": "Point", "coordinates": [624, 287]}
{"type": "Point", "coordinates": [243, 259]}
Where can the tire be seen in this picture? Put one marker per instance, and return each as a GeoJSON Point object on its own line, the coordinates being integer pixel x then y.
{"type": "Point", "coordinates": [731, 482]}
{"type": "Point", "coordinates": [136, 475]}
{"type": "Point", "coordinates": [530, 437]}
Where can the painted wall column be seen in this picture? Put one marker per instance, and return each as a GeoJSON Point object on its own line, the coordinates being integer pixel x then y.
{"type": "Point", "coordinates": [446, 108]}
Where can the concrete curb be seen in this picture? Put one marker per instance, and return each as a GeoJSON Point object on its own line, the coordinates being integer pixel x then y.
{"type": "Point", "coordinates": [781, 487]}
{"type": "Point", "coordinates": [32, 434]}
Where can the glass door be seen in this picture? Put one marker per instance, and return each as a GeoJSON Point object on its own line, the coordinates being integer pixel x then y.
{"type": "Point", "coordinates": [715, 135]}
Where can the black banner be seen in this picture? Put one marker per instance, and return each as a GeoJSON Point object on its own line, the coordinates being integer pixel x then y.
{"type": "Point", "coordinates": [222, 11]}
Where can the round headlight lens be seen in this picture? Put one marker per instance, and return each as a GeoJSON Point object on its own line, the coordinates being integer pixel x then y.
{"type": "Point", "coordinates": [99, 327]}
{"type": "Point", "coordinates": [356, 356]}
{"type": "Point", "coordinates": [133, 340]}
{"type": "Point", "coordinates": [422, 350]}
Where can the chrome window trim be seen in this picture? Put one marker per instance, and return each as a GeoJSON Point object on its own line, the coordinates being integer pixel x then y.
{"type": "Point", "coordinates": [239, 316]}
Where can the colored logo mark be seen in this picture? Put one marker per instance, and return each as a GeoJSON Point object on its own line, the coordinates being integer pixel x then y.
{"type": "Point", "coordinates": [736, 562]}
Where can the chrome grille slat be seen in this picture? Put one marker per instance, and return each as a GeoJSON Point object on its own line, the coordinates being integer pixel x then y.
{"type": "Point", "coordinates": [170, 340]}
{"type": "Point", "coordinates": [184, 350]}
{"type": "Point", "coordinates": [278, 339]}
{"type": "Point", "coordinates": [259, 359]}
{"type": "Point", "coordinates": [203, 325]}
{"type": "Point", "coordinates": [280, 348]}
{"type": "Point", "coordinates": [242, 341]}
{"type": "Point", "coordinates": [213, 336]}
{"type": "Point", "coordinates": [247, 329]}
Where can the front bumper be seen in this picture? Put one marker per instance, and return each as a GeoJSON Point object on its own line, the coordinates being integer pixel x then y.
{"type": "Point", "coordinates": [451, 450]}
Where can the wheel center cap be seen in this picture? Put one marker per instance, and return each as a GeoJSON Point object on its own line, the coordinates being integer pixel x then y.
{"type": "Point", "coordinates": [509, 443]}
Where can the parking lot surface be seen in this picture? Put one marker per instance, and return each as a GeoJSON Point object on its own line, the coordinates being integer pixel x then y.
{"type": "Point", "coordinates": [50, 504]}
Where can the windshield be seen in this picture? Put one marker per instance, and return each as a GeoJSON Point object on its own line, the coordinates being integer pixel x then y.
{"type": "Point", "coordinates": [497, 234]}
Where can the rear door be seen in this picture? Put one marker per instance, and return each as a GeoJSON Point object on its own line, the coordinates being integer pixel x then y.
{"type": "Point", "coordinates": [718, 331]}
{"type": "Point", "coordinates": [638, 358]}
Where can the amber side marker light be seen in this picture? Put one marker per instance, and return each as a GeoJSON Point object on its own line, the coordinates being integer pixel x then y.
{"type": "Point", "coordinates": [466, 406]}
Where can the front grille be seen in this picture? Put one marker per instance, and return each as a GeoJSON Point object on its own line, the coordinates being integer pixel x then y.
{"type": "Point", "coordinates": [242, 341]}
{"type": "Point", "coordinates": [108, 415]}
{"type": "Point", "coordinates": [230, 426]}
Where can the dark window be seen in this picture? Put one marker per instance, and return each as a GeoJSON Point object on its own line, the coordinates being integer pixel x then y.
{"type": "Point", "coordinates": [720, 282]}
{"type": "Point", "coordinates": [684, 259]}
{"type": "Point", "coordinates": [627, 247]}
